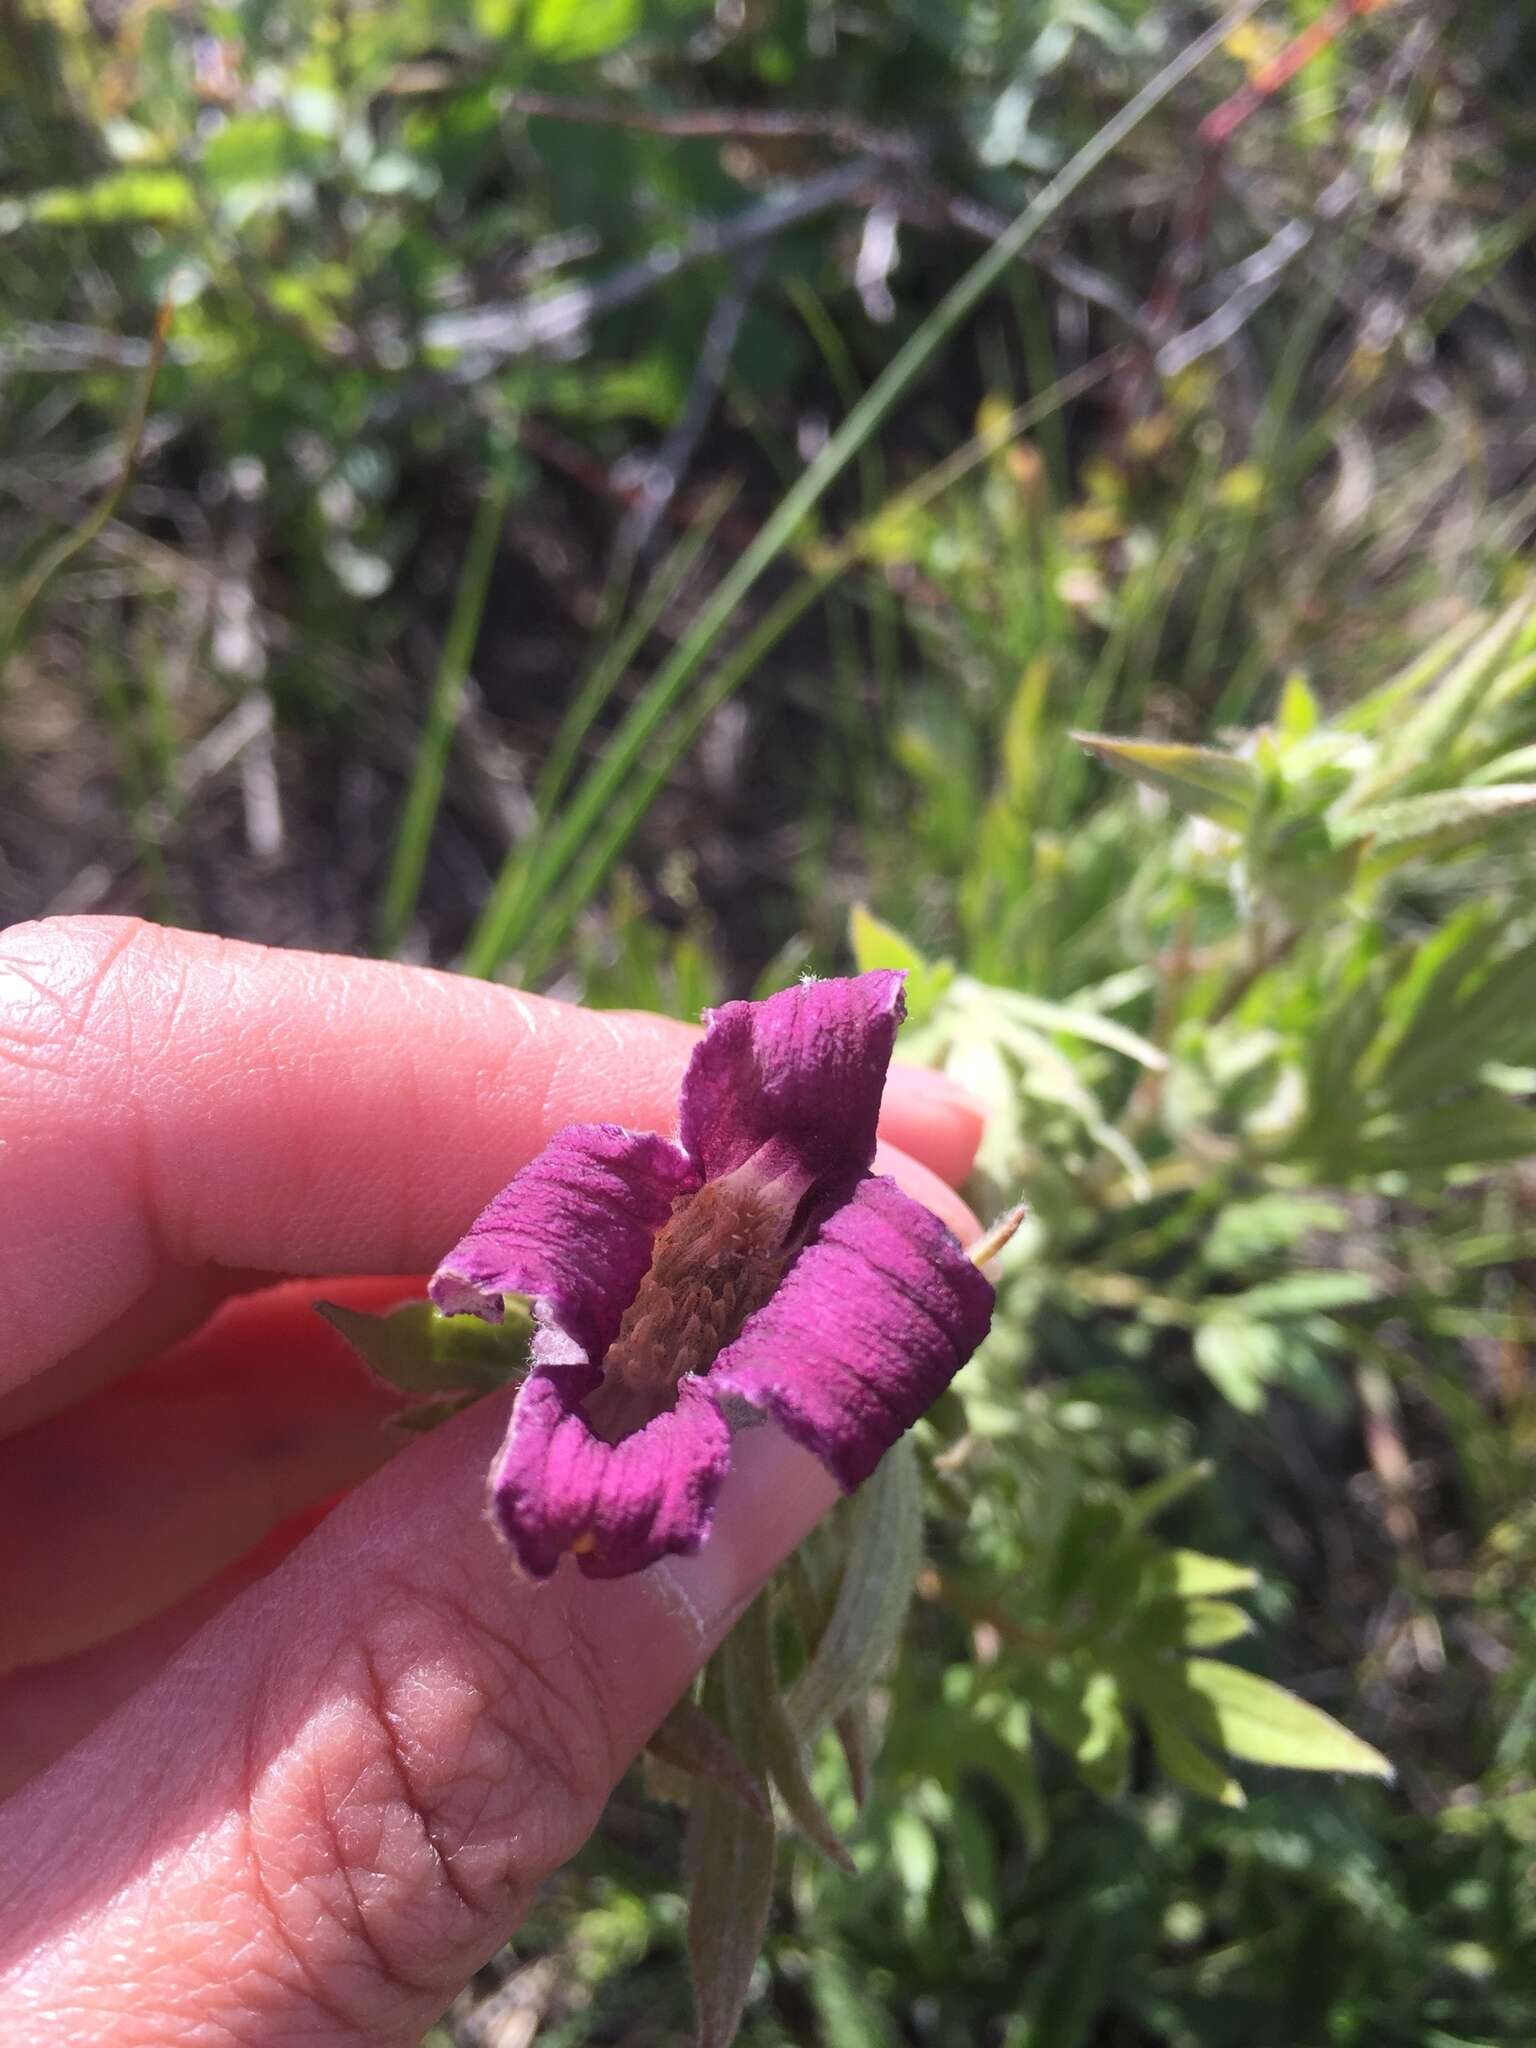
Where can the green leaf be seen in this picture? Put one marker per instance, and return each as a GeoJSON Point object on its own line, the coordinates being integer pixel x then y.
{"type": "Point", "coordinates": [568, 29]}
{"type": "Point", "coordinates": [884, 1551]}
{"type": "Point", "coordinates": [848, 2013]}
{"type": "Point", "coordinates": [1425, 994]}
{"type": "Point", "coordinates": [693, 1743]}
{"type": "Point", "coordinates": [137, 194]}
{"type": "Point", "coordinates": [1149, 1502]}
{"type": "Point", "coordinates": [775, 1738]}
{"type": "Point", "coordinates": [1468, 1014]}
{"type": "Point", "coordinates": [1344, 1032]}
{"type": "Point", "coordinates": [1298, 710]}
{"type": "Point", "coordinates": [1368, 714]}
{"type": "Point", "coordinates": [972, 1857]}
{"type": "Point", "coordinates": [728, 1863]}
{"type": "Point", "coordinates": [254, 149]}
{"type": "Point", "coordinates": [421, 1351]}
{"type": "Point", "coordinates": [1243, 1232]}
{"type": "Point", "coordinates": [1199, 779]}
{"type": "Point", "coordinates": [1252, 1718]}
{"type": "Point", "coordinates": [1437, 821]}
{"type": "Point", "coordinates": [1516, 766]}
{"type": "Point", "coordinates": [1241, 1356]}
{"type": "Point", "coordinates": [1078, 1703]}
{"type": "Point", "coordinates": [875, 943]}
{"type": "Point", "coordinates": [1074, 1022]}
{"type": "Point", "coordinates": [1188, 1765]}
{"type": "Point", "coordinates": [1480, 1130]}
{"type": "Point", "coordinates": [1300, 1294]}
{"type": "Point", "coordinates": [1210, 1623]}
{"type": "Point", "coordinates": [1416, 747]}
{"type": "Point", "coordinates": [1195, 1576]}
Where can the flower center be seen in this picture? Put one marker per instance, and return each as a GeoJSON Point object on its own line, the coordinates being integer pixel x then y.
{"type": "Point", "coordinates": [718, 1257]}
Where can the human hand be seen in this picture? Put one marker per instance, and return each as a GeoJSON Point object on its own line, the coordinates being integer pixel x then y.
{"type": "Point", "coordinates": [283, 1791]}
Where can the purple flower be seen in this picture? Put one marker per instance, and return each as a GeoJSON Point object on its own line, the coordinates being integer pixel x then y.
{"type": "Point", "coordinates": [756, 1263]}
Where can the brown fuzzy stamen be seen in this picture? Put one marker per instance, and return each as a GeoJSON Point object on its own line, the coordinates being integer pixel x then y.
{"type": "Point", "coordinates": [718, 1257]}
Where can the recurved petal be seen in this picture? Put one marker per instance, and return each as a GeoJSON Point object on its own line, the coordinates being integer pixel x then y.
{"type": "Point", "coordinates": [867, 1329]}
{"type": "Point", "coordinates": [803, 1071]}
{"type": "Point", "coordinates": [574, 1231]}
{"type": "Point", "coordinates": [556, 1487]}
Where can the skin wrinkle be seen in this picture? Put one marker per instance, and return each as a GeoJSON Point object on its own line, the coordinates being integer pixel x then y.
{"type": "Point", "coordinates": [579, 1649]}
{"type": "Point", "coordinates": [347, 1865]}
{"type": "Point", "coordinates": [291, 1953]}
{"type": "Point", "coordinates": [548, 1747]}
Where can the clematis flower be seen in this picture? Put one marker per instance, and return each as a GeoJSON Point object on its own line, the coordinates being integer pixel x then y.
{"type": "Point", "coordinates": [754, 1267]}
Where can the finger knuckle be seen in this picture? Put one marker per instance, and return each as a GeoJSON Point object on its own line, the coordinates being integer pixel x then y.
{"type": "Point", "coordinates": [460, 1766]}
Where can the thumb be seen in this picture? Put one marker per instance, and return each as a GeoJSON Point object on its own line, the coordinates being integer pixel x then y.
{"type": "Point", "coordinates": [339, 1799]}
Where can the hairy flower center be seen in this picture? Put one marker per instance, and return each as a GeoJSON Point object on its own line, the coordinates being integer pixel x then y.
{"type": "Point", "coordinates": [718, 1257]}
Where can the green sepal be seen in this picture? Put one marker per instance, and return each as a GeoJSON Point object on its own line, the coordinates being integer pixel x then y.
{"type": "Point", "coordinates": [419, 1350]}
{"type": "Point", "coordinates": [1200, 779]}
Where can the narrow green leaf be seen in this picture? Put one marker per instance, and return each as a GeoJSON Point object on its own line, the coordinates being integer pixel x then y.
{"type": "Point", "coordinates": [1300, 1294]}
{"type": "Point", "coordinates": [875, 943]}
{"type": "Point", "coordinates": [1210, 1623]}
{"type": "Point", "coordinates": [1241, 1357]}
{"type": "Point", "coordinates": [776, 1739]}
{"type": "Point", "coordinates": [1253, 1718]}
{"type": "Point", "coordinates": [514, 895]}
{"type": "Point", "coordinates": [1436, 821]}
{"type": "Point", "coordinates": [1426, 989]}
{"type": "Point", "coordinates": [1103, 1752]}
{"type": "Point", "coordinates": [139, 193]}
{"type": "Point", "coordinates": [692, 1742]}
{"type": "Point", "coordinates": [728, 1864]}
{"type": "Point", "coordinates": [1188, 1765]}
{"type": "Point", "coordinates": [1196, 1576]}
{"type": "Point", "coordinates": [1516, 766]}
{"type": "Point", "coordinates": [1199, 779]}
{"type": "Point", "coordinates": [1369, 714]}
{"type": "Point", "coordinates": [856, 1736]}
{"type": "Point", "coordinates": [1072, 1021]}
{"type": "Point", "coordinates": [418, 814]}
{"type": "Point", "coordinates": [1416, 746]}
{"type": "Point", "coordinates": [1298, 711]}
{"type": "Point", "coordinates": [1476, 1131]}
{"type": "Point", "coordinates": [1460, 1028]}
{"type": "Point", "coordinates": [848, 2013]}
{"type": "Point", "coordinates": [1149, 1502]}
{"type": "Point", "coordinates": [1347, 1028]}
{"type": "Point", "coordinates": [884, 1552]}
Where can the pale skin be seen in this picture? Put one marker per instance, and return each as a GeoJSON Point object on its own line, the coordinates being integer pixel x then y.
{"type": "Point", "coordinates": [278, 1776]}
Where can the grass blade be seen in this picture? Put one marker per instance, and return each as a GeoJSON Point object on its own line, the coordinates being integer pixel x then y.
{"type": "Point", "coordinates": [418, 815]}
{"type": "Point", "coordinates": [602, 784]}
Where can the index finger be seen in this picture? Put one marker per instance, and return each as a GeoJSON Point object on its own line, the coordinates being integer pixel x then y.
{"type": "Point", "coordinates": [171, 1101]}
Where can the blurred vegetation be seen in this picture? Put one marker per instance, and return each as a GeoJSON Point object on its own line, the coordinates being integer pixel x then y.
{"type": "Point", "coordinates": [509, 566]}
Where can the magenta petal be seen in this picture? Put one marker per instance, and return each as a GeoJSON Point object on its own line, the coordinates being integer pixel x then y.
{"type": "Point", "coordinates": [574, 1231]}
{"type": "Point", "coordinates": [867, 1329]}
{"type": "Point", "coordinates": [557, 1487]}
{"type": "Point", "coordinates": [803, 1071]}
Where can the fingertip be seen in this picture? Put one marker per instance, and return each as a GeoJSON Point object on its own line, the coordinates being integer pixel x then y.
{"type": "Point", "coordinates": [926, 1186]}
{"type": "Point", "coordinates": [933, 1118]}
